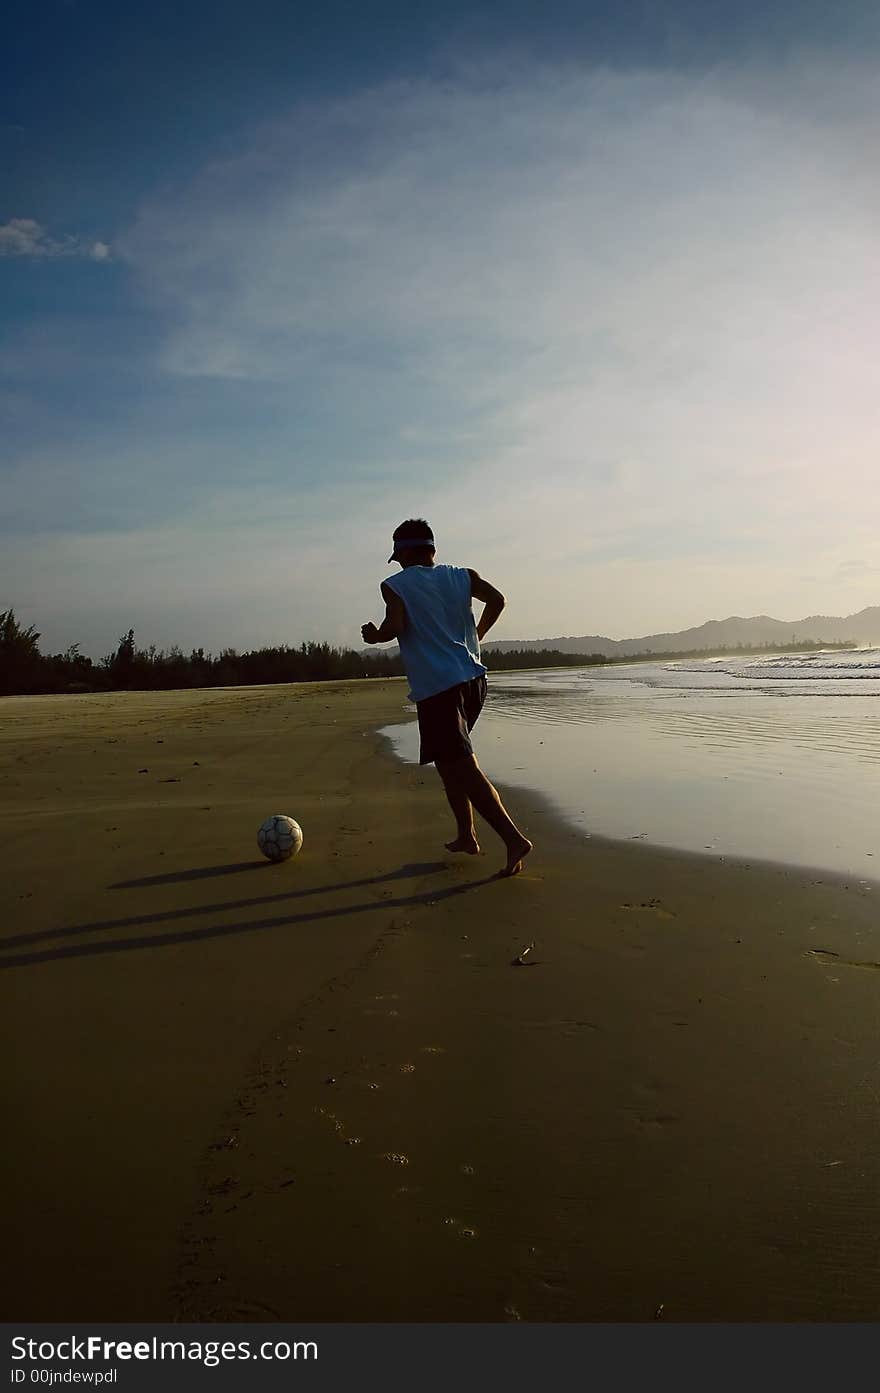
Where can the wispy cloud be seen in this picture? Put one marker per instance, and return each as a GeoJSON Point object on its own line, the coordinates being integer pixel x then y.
{"type": "Point", "coordinates": [855, 571]}
{"type": "Point", "coordinates": [614, 332]}
{"type": "Point", "coordinates": [627, 300]}
{"type": "Point", "coordinates": [26, 237]}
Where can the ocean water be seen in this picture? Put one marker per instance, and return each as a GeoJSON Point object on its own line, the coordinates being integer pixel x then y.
{"type": "Point", "coordinates": [775, 757]}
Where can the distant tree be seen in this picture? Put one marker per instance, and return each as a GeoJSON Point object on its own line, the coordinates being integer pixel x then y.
{"type": "Point", "coordinates": [20, 658]}
{"type": "Point", "coordinates": [70, 671]}
{"type": "Point", "coordinates": [121, 663]}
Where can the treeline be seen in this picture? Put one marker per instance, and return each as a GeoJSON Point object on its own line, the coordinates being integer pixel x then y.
{"type": "Point", "coordinates": [25, 671]}
{"type": "Point", "coordinates": [501, 659]}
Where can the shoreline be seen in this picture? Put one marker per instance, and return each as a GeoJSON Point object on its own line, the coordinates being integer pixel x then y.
{"type": "Point", "coordinates": [673, 1107]}
{"type": "Point", "coordinates": [547, 809]}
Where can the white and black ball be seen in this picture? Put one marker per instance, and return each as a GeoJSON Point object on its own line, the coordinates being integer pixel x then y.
{"type": "Point", "coordinates": [279, 837]}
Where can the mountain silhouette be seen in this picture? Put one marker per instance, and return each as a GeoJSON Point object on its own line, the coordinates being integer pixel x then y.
{"type": "Point", "coordinates": [863, 628]}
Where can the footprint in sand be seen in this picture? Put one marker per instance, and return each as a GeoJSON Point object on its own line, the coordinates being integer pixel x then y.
{"type": "Point", "coordinates": [825, 955]}
{"type": "Point", "coordinates": [462, 1230]}
{"type": "Point", "coordinates": [244, 1310]}
{"type": "Point", "coordinates": [653, 906]}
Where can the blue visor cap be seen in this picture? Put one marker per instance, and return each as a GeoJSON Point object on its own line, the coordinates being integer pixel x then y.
{"type": "Point", "coordinates": [410, 542]}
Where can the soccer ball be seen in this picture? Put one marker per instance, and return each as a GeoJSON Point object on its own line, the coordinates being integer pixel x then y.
{"type": "Point", "coordinates": [279, 837]}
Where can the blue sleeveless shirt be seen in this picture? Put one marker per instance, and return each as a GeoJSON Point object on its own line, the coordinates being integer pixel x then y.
{"type": "Point", "coordinates": [439, 645]}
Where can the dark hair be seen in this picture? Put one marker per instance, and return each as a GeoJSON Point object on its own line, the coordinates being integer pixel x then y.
{"type": "Point", "coordinates": [414, 530]}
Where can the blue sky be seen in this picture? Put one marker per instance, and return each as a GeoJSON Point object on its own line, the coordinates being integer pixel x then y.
{"type": "Point", "coordinates": [594, 288]}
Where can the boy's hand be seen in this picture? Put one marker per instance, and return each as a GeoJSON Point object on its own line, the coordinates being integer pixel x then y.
{"type": "Point", "coordinates": [369, 633]}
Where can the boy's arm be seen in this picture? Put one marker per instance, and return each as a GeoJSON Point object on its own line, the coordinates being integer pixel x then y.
{"type": "Point", "coordinates": [392, 625]}
{"type": "Point", "coordinates": [492, 598]}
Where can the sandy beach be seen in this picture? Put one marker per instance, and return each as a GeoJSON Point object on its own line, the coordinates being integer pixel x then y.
{"type": "Point", "coordinates": [323, 1090]}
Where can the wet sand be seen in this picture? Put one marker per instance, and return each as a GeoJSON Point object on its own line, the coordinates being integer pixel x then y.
{"type": "Point", "coordinates": [322, 1091]}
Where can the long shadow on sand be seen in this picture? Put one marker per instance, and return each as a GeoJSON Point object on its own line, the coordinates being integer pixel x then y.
{"type": "Point", "coordinates": [412, 868]}
{"type": "Point", "coordinates": [197, 873]}
{"type": "Point", "coordinates": [216, 931]}
{"type": "Point", "coordinates": [405, 872]}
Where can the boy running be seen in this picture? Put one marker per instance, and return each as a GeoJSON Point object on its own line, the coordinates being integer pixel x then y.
{"type": "Point", "coordinates": [428, 610]}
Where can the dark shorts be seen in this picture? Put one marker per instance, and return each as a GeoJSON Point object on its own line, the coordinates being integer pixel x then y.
{"type": "Point", "coordinates": [446, 720]}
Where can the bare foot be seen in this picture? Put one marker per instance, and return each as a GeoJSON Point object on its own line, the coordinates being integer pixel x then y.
{"type": "Point", "coordinates": [466, 844]}
{"type": "Point", "coordinates": [516, 854]}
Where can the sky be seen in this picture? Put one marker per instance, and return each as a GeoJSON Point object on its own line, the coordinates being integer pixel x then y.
{"type": "Point", "coordinates": [594, 288]}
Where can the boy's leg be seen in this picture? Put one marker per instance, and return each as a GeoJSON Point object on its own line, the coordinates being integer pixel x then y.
{"type": "Point", "coordinates": [444, 723]}
{"type": "Point", "coordinates": [467, 780]}
{"type": "Point", "coordinates": [463, 812]}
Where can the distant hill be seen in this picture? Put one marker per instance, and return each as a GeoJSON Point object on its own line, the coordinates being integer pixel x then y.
{"type": "Point", "coordinates": [863, 627]}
